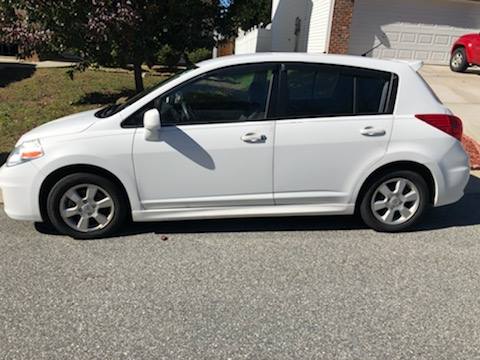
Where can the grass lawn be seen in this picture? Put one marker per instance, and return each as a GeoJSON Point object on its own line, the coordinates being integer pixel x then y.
{"type": "Point", "coordinates": [27, 101]}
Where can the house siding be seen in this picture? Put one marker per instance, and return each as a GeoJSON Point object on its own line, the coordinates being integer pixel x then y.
{"type": "Point", "coordinates": [320, 26]}
{"type": "Point", "coordinates": [284, 15]}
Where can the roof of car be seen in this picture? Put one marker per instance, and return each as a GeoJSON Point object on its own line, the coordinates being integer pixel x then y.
{"type": "Point", "coordinates": [347, 60]}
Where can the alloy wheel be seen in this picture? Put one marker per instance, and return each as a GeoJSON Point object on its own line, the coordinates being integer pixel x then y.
{"type": "Point", "coordinates": [395, 201]}
{"type": "Point", "coordinates": [86, 208]}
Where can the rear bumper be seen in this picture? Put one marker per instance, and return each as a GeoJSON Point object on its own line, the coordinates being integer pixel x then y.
{"type": "Point", "coordinates": [20, 197]}
{"type": "Point", "coordinates": [451, 176]}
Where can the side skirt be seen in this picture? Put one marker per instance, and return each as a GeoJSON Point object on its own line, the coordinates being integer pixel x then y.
{"type": "Point", "coordinates": [241, 212]}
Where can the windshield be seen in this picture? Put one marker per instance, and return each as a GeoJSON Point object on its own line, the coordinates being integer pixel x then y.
{"type": "Point", "coordinates": [116, 108]}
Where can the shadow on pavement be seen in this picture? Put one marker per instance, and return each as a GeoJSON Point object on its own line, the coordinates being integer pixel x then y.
{"type": "Point", "coordinates": [474, 71]}
{"type": "Point", "coordinates": [464, 213]}
{"type": "Point", "coordinates": [12, 72]}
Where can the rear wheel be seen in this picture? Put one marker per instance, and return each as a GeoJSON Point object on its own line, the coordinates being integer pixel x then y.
{"type": "Point", "coordinates": [395, 201]}
{"type": "Point", "coordinates": [86, 206]}
{"type": "Point", "coordinates": [458, 61]}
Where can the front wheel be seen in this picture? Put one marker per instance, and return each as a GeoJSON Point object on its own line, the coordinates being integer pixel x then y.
{"type": "Point", "coordinates": [395, 201]}
{"type": "Point", "coordinates": [458, 61]}
{"type": "Point", "coordinates": [86, 206]}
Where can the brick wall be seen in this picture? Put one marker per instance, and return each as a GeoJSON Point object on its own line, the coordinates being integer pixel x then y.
{"type": "Point", "coordinates": [340, 33]}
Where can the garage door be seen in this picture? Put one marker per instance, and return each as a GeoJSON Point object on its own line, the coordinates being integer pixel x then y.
{"type": "Point", "coordinates": [412, 29]}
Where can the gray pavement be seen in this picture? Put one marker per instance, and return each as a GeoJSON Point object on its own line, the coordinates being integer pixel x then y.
{"type": "Point", "coordinates": [306, 288]}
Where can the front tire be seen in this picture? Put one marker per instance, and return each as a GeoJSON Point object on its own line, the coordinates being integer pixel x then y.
{"type": "Point", "coordinates": [458, 61]}
{"type": "Point", "coordinates": [86, 206]}
{"type": "Point", "coordinates": [395, 202]}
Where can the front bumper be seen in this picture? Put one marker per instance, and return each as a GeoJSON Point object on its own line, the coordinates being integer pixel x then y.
{"type": "Point", "coordinates": [20, 195]}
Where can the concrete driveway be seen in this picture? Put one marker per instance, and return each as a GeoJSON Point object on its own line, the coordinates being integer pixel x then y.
{"type": "Point", "coordinates": [460, 92]}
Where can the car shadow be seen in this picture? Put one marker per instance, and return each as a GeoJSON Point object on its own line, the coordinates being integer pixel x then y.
{"type": "Point", "coordinates": [13, 72]}
{"type": "Point", "coordinates": [463, 213]}
{"type": "Point", "coordinates": [187, 146]}
{"type": "Point", "coordinates": [473, 71]}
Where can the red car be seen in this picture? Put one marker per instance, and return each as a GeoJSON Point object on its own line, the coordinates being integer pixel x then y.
{"type": "Point", "coordinates": [465, 52]}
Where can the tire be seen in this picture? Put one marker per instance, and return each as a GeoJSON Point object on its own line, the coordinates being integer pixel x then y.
{"type": "Point", "coordinates": [458, 61]}
{"type": "Point", "coordinates": [86, 206]}
{"type": "Point", "coordinates": [413, 201]}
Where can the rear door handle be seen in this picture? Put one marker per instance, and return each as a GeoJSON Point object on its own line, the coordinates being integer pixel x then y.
{"type": "Point", "coordinates": [254, 138]}
{"type": "Point", "coordinates": [371, 131]}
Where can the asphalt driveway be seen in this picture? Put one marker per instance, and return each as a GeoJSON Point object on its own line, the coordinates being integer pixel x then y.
{"type": "Point", "coordinates": [305, 288]}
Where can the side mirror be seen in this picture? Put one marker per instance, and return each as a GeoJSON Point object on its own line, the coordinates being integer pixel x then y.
{"type": "Point", "coordinates": [152, 125]}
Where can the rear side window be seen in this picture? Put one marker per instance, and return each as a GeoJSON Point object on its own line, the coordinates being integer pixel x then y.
{"type": "Point", "coordinates": [328, 90]}
{"type": "Point", "coordinates": [371, 93]}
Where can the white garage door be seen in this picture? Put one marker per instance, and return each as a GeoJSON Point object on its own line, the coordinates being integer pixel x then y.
{"type": "Point", "coordinates": [412, 29]}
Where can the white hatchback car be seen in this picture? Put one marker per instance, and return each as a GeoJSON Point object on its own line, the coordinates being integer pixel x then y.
{"type": "Point", "coordinates": [244, 136]}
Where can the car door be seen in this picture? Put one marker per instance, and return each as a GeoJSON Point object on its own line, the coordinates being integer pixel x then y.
{"type": "Point", "coordinates": [216, 143]}
{"type": "Point", "coordinates": [335, 122]}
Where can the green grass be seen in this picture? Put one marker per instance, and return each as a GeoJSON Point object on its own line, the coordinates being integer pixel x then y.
{"type": "Point", "coordinates": [49, 94]}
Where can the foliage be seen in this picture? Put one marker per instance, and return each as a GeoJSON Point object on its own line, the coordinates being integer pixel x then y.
{"type": "Point", "coordinates": [245, 14]}
{"type": "Point", "coordinates": [110, 32]}
{"type": "Point", "coordinates": [168, 56]}
{"type": "Point", "coordinates": [198, 55]}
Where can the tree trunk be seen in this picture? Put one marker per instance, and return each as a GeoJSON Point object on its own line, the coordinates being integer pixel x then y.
{"type": "Point", "coordinates": [137, 69]}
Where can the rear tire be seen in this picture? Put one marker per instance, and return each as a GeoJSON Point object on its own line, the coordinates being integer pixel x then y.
{"type": "Point", "coordinates": [395, 201]}
{"type": "Point", "coordinates": [86, 206]}
{"type": "Point", "coordinates": [458, 61]}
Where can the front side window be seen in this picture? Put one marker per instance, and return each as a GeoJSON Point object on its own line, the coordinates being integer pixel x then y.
{"type": "Point", "coordinates": [326, 90]}
{"type": "Point", "coordinates": [234, 94]}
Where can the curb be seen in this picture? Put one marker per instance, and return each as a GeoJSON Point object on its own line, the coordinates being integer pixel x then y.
{"type": "Point", "coordinates": [472, 147]}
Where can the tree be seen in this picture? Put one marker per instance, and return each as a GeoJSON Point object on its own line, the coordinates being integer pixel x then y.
{"type": "Point", "coordinates": [245, 14]}
{"type": "Point", "coordinates": [110, 32]}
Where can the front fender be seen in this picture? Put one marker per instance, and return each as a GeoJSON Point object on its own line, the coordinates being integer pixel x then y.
{"type": "Point", "coordinates": [468, 46]}
{"type": "Point", "coordinates": [111, 152]}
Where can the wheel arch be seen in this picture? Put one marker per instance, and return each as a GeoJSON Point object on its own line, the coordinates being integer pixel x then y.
{"type": "Point", "coordinates": [466, 49]}
{"type": "Point", "coordinates": [58, 174]}
{"type": "Point", "coordinates": [421, 169]}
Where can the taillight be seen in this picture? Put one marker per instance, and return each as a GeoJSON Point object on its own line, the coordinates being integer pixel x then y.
{"type": "Point", "coordinates": [449, 124]}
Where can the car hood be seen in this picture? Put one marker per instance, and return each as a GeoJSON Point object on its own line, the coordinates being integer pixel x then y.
{"type": "Point", "coordinates": [70, 124]}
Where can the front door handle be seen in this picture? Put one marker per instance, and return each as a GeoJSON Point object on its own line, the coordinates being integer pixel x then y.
{"type": "Point", "coordinates": [371, 131]}
{"type": "Point", "coordinates": [254, 138]}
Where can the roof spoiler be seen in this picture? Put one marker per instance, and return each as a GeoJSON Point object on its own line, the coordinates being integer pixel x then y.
{"type": "Point", "coordinates": [414, 64]}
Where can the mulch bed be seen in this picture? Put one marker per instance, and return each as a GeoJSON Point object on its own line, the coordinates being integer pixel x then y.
{"type": "Point", "coordinates": [472, 147]}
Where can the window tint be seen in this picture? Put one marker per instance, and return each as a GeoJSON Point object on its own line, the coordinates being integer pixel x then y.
{"type": "Point", "coordinates": [372, 93]}
{"type": "Point", "coordinates": [313, 91]}
{"type": "Point", "coordinates": [326, 90]}
{"type": "Point", "coordinates": [228, 95]}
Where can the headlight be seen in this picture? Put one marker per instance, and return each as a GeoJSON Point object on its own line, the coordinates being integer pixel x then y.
{"type": "Point", "coordinates": [26, 151]}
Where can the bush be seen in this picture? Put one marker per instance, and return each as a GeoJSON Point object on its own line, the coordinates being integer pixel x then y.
{"type": "Point", "coordinates": [199, 55]}
{"type": "Point", "coordinates": [168, 57]}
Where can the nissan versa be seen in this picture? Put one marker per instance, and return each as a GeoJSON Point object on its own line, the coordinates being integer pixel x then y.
{"type": "Point", "coordinates": [244, 136]}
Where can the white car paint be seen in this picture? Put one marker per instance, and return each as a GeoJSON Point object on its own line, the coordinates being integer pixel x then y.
{"type": "Point", "coordinates": [206, 171]}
